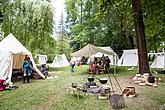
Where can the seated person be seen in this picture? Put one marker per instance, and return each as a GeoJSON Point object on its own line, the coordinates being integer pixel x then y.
{"type": "Point", "coordinates": [102, 67]}
{"type": "Point", "coordinates": [77, 62]}
{"type": "Point", "coordinates": [43, 70]}
{"type": "Point", "coordinates": [91, 69]}
{"type": "Point", "coordinates": [102, 64]}
{"type": "Point", "coordinates": [96, 67]}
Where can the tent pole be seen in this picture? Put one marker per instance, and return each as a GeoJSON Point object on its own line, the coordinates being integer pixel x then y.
{"type": "Point", "coordinates": [114, 68]}
{"type": "Point", "coordinates": [114, 63]}
{"type": "Point", "coordinates": [89, 56]}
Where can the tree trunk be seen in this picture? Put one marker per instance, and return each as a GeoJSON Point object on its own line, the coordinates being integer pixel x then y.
{"type": "Point", "coordinates": [140, 37]}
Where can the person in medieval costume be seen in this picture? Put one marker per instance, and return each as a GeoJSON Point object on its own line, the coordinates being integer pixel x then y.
{"type": "Point", "coordinates": [27, 68]}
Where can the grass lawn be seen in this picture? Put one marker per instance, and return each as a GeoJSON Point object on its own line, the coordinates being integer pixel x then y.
{"type": "Point", "coordinates": [52, 94]}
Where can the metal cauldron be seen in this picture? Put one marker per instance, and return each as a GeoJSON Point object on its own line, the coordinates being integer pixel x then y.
{"type": "Point", "coordinates": [91, 79]}
{"type": "Point", "coordinates": [103, 80]}
{"type": "Point", "coordinates": [151, 79]}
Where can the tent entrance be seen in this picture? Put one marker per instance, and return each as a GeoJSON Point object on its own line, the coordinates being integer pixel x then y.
{"type": "Point", "coordinates": [18, 60]}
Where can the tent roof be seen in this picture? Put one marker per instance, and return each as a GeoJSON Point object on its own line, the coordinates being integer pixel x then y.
{"type": "Point", "coordinates": [131, 51]}
{"type": "Point", "coordinates": [89, 50]}
{"type": "Point", "coordinates": [107, 48]}
{"type": "Point", "coordinates": [41, 55]}
{"type": "Point", "coordinates": [11, 44]}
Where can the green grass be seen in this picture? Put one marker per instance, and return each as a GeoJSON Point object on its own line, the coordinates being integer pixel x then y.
{"type": "Point", "coordinates": [53, 94]}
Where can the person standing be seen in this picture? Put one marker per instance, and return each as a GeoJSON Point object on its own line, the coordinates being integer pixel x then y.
{"type": "Point", "coordinates": [72, 64]}
{"type": "Point", "coordinates": [27, 68]}
{"type": "Point", "coordinates": [107, 64]}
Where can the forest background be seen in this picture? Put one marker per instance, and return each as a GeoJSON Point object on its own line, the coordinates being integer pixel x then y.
{"type": "Point", "coordinates": [31, 22]}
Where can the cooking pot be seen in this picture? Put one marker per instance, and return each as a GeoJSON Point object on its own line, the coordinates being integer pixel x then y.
{"type": "Point", "coordinates": [151, 79]}
{"type": "Point", "coordinates": [91, 79]}
{"type": "Point", "coordinates": [103, 80]}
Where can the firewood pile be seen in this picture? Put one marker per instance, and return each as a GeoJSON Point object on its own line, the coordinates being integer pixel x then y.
{"type": "Point", "coordinates": [146, 80]}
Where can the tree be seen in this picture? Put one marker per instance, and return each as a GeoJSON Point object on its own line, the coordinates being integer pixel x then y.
{"type": "Point", "coordinates": [105, 21]}
{"type": "Point", "coordinates": [1, 14]}
{"type": "Point", "coordinates": [63, 41]}
{"type": "Point", "coordinates": [140, 34]}
{"type": "Point", "coordinates": [30, 21]}
{"type": "Point", "coordinates": [98, 28]}
{"type": "Point", "coordinates": [154, 12]}
{"type": "Point", "coordinates": [140, 37]}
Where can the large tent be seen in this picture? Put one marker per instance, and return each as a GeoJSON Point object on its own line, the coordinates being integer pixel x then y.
{"type": "Point", "coordinates": [129, 58]}
{"type": "Point", "coordinates": [89, 50]}
{"type": "Point", "coordinates": [113, 57]}
{"type": "Point", "coordinates": [60, 61]}
{"type": "Point", "coordinates": [159, 61]}
{"type": "Point", "coordinates": [12, 54]}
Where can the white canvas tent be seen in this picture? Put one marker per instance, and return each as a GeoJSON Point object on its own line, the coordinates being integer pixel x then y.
{"type": "Point", "coordinates": [42, 59]}
{"type": "Point", "coordinates": [129, 58]}
{"type": "Point", "coordinates": [113, 57]}
{"type": "Point", "coordinates": [159, 61]}
{"type": "Point", "coordinates": [89, 50]}
{"type": "Point", "coordinates": [60, 61]}
{"type": "Point", "coordinates": [12, 54]}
